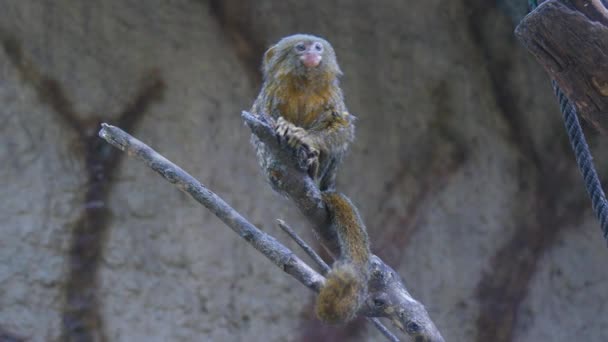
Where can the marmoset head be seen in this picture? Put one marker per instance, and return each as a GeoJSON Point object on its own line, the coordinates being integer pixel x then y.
{"type": "Point", "coordinates": [301, 55]}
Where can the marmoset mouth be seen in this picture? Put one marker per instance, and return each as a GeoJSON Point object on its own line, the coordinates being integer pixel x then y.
{"type": "Point", "coordinates": [311, 60]}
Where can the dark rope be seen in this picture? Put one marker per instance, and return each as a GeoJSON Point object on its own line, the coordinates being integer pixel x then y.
{"type": "Point", "coordinates": [584, 159]}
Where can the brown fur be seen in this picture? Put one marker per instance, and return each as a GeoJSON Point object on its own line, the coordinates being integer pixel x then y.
{"type": "Point", "coordinates": [346, 285]}
{"type": "Point", "coordinates": [340, 298]}
{"type": "Point", "coordinates": [354, 244]}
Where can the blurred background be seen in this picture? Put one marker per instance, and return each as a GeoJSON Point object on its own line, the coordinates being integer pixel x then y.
{"type": "Point", "coordinates": [461, 170]}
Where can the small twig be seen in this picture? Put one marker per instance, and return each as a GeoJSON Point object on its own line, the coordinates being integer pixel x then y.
{"type": "Point", "coordinates": [383, 329]}
{"type": "Point", "coordinates": [325, 268]}
{"type": "Point", "coordinates": [305, 247]}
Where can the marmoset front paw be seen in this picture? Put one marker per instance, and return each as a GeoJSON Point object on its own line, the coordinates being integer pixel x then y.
{"type": "Point", "coordinates": [300, 142]}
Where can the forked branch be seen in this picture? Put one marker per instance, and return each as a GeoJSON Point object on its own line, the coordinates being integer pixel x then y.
{"type": "Point", "coordinates": [387, 298]}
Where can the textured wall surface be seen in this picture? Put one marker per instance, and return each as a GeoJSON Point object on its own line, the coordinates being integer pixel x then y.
{"type": "Point", "coordinates": [461, 170]}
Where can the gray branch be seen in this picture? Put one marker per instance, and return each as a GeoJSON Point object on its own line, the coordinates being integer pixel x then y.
{"type": "Point", "coordinates": [387, 295]}
{"type": "Point", "coordinates": [282, 256]}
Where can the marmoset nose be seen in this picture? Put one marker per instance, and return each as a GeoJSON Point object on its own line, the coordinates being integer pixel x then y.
{"type": "Point", "coordinates": [310, 59]}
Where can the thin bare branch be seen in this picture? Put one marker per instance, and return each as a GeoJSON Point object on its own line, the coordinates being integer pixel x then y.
{"type": "Point", "coordinates": [284, 258]}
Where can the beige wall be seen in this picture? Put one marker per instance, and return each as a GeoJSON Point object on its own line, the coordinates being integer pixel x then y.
{"type": "Point", "coordinates": [461, 170]}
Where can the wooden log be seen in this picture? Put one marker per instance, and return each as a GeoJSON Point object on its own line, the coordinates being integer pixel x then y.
{"type": "Point", "coordinates": [570, 40]}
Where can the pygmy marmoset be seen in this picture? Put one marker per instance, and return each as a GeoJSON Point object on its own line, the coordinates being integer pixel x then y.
{"type": "Point", "coordinates": [302, 99]}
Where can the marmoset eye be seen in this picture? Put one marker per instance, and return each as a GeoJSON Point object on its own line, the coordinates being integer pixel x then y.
{"type": "Point", "coordinates": [300, 47]}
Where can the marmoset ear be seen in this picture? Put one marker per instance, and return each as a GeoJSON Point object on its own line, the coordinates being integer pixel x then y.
{"type": "Point", "coordinates": [269, 54]}
{"type": "Point", "coordinates": [266, 62]}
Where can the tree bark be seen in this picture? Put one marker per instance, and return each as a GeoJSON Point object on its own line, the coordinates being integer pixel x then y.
{"type": "Point", "coordinates": [570, 40]}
